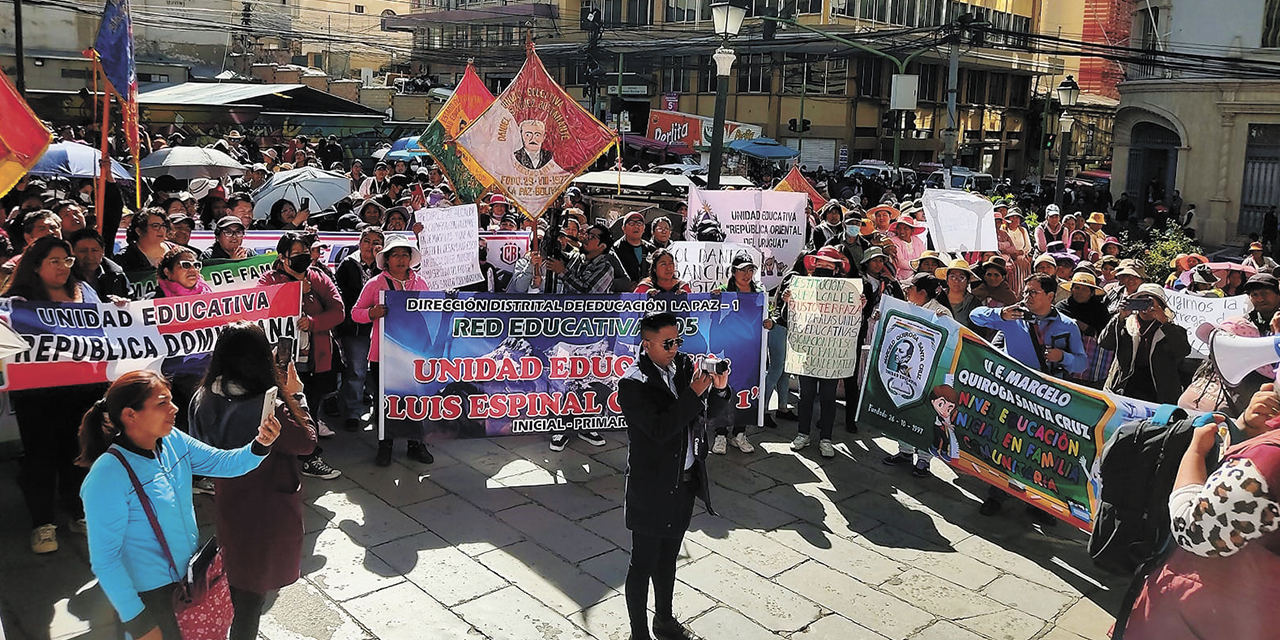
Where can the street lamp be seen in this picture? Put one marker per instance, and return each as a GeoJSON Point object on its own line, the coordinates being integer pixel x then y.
{"type": "Point", "coordinates": [1068, 94]}
{"type": "Point", "coordinates": [727, 18]}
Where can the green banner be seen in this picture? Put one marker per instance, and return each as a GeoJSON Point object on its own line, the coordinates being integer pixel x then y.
{"type": "Point", "coordinates": [220, 274]}
{"type": "Point", "coordinates": [465, 184]}
{"type": "Point", "coordinates": [941, 388]}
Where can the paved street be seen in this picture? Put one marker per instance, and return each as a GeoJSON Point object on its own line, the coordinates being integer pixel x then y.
{"type": "Point", "coordinates": [504, 539]}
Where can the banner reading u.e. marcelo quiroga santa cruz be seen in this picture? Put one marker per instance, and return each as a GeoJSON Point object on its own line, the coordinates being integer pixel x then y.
{"type": "Point", "coordinates": [476, 365]}
{"type": "Point", "coordinates": [939, 387]}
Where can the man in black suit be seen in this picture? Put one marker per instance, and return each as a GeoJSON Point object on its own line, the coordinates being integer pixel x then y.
{"type": "Point", "coordinates": [667, 402]}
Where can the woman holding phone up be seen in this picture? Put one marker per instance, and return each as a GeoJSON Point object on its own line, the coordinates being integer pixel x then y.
{"type": "Point", "coordinates": [259, 514]}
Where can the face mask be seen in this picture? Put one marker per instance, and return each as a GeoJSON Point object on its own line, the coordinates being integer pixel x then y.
{"type": "Point", "coordinates": [852, 230]}
{"type": "Point", "coordinates": [299, 263]}
{"type": "Point", "coordinates": [86, 198]}
{"type": "Point", "coordinates": [1077, 246]}
{"type": "Point", "coordinates": [823, 273]}
{"type": "Point", "coordinates": [484, 253]}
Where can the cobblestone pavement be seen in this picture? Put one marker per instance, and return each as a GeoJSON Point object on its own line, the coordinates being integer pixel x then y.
{"type": "Point", "coordinates": [504, 539]}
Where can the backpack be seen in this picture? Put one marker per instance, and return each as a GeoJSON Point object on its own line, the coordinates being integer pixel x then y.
{"type": "Point", "coordinates": [1137, 469]}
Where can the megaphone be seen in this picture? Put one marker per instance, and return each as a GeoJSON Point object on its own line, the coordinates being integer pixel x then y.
{"type": "Point", "coordinates": [1234, 357]}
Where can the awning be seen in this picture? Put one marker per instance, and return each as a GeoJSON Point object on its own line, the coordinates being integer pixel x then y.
{"type": "Point", "coordinates": [763, 148]}
{"type": "Point", "coordinates": [649, 144]}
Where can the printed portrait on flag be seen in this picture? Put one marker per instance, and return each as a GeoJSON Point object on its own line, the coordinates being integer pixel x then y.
{"type": "Point", "coordinates": [532, 140]}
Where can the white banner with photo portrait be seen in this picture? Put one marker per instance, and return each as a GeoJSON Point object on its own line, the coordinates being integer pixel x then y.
{"type": "Point", "coordinates": [772, 222]}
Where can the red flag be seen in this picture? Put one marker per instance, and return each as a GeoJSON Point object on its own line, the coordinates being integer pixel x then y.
{"type": "Point", "coordinates": [795, 181]}
{"type": "Point", "coordinates": [23, 138]}
{"type": "Point", "coordinates": [533, 140]}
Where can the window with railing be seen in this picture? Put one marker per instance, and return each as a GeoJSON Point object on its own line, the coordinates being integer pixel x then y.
{"type": "Point", "coordinates": [815, 74]}
{"type": "Point", "coordinates": [1148, 40]}
{"type": "Point", "coordinates": [1020, 91]}
{"type": "Point", "coordinates": [639, 13]}
{"type": "Point", "coordinates": [808, 6]}
{"type": "Point", "coordinates": [675, 74]}
{"type": "Point", "coordinates": [753, 73]}
{"type": "Point", "coordinates": [870, 77]}
{"type": "Point", "coordinates": [706, 75]}
{"type": "Point", "coordinates": [688, 10]}
{"type": "Point", "coordinates": [876, 10]}
{"type": "Point", "coordinates": [611, 13]}
{"type": "Point", "coordinates": [997, 87]}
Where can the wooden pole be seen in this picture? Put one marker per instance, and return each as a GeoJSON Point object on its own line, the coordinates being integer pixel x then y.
{"type": "Point", "coordinates": [104, 164]}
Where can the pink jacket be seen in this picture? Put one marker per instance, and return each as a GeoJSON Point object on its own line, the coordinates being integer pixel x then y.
{"type": "Point", "coordinates": [907, 251]}
{"type": "Point", "coordinates": [369, 297]}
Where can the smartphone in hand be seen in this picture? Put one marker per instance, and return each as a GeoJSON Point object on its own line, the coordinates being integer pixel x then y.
{"type": "Point", "coordinates": [284, 353]}
{"type": "Point", "coordinates": [305, 204]}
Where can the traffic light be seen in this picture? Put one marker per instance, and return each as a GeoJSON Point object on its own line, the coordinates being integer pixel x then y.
{"type": "Point", "coordinates": [887, 121]}
{"type": "Point", "coordinates": [792, 125]}
{"type": "Point", "coordinates": [804, 125]}
{"type": "Point", "coordinates": [1048, 140]}
{"type": "Point", "coordinates": [798, 125]}
{"type": "Point", "coordinates": [910, 122]}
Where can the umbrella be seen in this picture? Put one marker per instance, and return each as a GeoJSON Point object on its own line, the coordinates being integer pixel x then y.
{"type": "Point", "coordinates": [404, 149]}
{"type": "Point", "coordinates": [75, 160]}
{"type": "Point", "coordinates": [324, 188]}
{"type": "Point", "coordinates": [185, 163]}
{"type": "Point", "coordinates": [764, 148]}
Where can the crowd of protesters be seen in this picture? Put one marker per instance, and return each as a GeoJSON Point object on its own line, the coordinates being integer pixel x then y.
{"type": "Point", "coordinates": [1063, 295]}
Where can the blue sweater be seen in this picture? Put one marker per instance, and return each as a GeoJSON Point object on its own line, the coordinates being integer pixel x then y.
{"type": "Point", "coordinates": [1017, 339]}
{"type": "Point", "coordinates": [124, 553]}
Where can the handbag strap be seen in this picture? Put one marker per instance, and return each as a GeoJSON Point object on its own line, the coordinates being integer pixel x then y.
{"type": "Point", "coordinates": [148, 508]}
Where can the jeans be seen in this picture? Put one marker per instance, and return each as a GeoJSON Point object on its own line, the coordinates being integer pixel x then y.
{"type": "Point", "coordinates": [351, 393]}
{"type": "Point", "coordinates": [776, 377]}
{"type": "Point", "coordinates": [822, 391]}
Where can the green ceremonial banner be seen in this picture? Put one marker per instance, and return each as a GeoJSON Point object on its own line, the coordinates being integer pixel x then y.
{"type": "Point", "coordinates": [222, 275]}
{"type": "Point", "coordinates": [938, 386]}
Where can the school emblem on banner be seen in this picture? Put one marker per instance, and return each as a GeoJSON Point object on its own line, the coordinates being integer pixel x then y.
{"type": "Point", "coordinates": [906, 359]}
{"type": "Point", "coordinates": [468, 101]}
{"type": "Point", "coordinates": [533, 139]}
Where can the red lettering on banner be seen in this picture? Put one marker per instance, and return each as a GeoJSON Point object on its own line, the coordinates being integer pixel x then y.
{"type": "Point", "coordinates": [613, 403]}
{"type": "Point", "coordinates": [476, 369]}
{"type": "Point", "coordinates": [394, 412]}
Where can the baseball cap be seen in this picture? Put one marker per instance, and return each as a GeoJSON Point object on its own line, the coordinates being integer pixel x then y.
{"type": "Point", "coordinates": [1262, 281]}
{"type": "Point", "coordinates": [633, 215]}
{"type": "Point", "coordinates": [227, 221]}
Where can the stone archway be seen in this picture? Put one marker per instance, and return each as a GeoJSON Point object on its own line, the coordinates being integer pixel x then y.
{"type": "Point", "coordinates": [1153, 164]}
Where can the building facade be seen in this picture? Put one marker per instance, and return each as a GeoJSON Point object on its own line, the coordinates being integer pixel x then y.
{"type": "Point", "coordinates": [1211, 133]}
{"type": "Point", "coordinates": [663, 49]}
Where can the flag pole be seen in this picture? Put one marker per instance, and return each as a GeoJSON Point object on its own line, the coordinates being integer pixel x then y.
{"type": "Point", "coordinates": [104, 164]}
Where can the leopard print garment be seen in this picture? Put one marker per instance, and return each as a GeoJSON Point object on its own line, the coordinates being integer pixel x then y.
{"type": "Point", "coordinates": [1233, 507]}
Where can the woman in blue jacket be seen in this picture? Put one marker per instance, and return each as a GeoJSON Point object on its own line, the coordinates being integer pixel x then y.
{"type": "Point", "coordinates": [136, 416]}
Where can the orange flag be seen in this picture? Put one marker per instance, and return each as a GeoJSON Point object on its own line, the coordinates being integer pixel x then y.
{"type": "Point", "coordinates": [23, 138]}
{"type": "Point", "coordinates": [795, 181]}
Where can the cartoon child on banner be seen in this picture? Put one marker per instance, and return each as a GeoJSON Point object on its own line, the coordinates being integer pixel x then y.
{"type": "Point", "coordinates": [945, 445]}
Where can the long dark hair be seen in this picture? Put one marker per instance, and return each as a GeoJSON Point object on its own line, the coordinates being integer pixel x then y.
{"type": "Point", "coordinates": [102, 424]}
{"type": "Point", "coordinates": [276, 219]}
{"type": "Point", "coordinates": [26, 280]}
{"type": "Point", "coordinates": [242, 355]}
{"type": "Point", "coordinates": [286, 242]}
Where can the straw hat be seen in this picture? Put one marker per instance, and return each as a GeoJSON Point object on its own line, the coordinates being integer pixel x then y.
{"type": "Point", "coordinates": [927, 255]}
{"type": "Point", "coordinates": [831, 255]}
{"type": "Point", "coordinates": [1097, 217]}
{"type": "Point", "coordinates": [916, 227]}
{"type": "Point", "coordinates": [957, 264]}
{"type": "Point", "coordinates": [1081, 278]}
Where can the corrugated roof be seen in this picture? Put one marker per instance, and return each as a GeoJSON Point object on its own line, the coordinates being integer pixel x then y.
{"type": "Point", "coordinates": [213, 94]}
